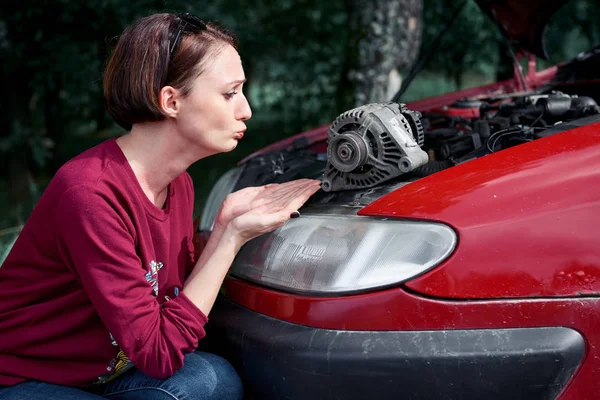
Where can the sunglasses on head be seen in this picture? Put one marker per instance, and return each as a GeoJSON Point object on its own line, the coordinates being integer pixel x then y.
{"type": "Point", "coordinates": [187, 23]}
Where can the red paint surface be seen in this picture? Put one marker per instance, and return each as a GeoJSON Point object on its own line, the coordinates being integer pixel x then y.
{"type": "Point", "coordinates": [396, 309]}
{"type": "Point", "coordinates": [527, 219]}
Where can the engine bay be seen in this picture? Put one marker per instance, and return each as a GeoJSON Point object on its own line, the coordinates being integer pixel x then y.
{"type": "Point", "coordinates": [472, 128]}
{"type": "Point", "coordinates": [365, 153]}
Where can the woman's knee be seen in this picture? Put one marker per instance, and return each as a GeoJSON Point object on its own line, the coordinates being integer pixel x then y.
{"type": "Point", "coordinates": [211, 375]}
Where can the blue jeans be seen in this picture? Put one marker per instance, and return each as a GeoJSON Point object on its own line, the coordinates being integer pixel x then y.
{"type": "Point", "coordinates": [204, 376]}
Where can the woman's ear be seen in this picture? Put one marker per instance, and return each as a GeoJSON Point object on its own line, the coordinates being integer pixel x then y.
{"type": "Point", "coordinates": [168, 99]}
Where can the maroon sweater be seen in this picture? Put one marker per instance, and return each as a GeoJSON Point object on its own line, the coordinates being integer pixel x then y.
{"type": "Point", "coordinates": [93, 283]}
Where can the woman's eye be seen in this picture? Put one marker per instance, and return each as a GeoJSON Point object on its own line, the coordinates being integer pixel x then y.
{"type": "Point", "coordinates": [230, 95]}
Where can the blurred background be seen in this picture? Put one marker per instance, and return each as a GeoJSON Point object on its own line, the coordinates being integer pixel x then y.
{"type": "Point", "coordinates": [306, 62]}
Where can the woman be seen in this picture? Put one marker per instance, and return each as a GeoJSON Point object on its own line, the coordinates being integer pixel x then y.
{"type": "Point", "coordinates": [95, 296]}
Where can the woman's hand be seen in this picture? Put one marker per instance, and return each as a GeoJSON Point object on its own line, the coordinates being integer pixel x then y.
{"type": "Point", "coordinates": [244, 200]}
{"type": "Point", "coordinates": [271, 208]}
{"type": "Point", "coordinates": [246, 214]}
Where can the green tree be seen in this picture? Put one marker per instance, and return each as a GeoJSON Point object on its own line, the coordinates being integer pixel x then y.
{"type": "Point", "coordinates": [303, 59]}
{"type": "Point", "coordinates": [384, 37]}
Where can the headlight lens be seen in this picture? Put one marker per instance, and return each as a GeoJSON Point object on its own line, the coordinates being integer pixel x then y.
{"type": "Point", "coordinates": [343, 255]}
{"type": "Point", "coordinates": [222, 188]}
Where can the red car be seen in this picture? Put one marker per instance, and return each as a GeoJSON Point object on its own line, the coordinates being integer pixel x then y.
{"type": "Point", "coordinates": [452, 253]}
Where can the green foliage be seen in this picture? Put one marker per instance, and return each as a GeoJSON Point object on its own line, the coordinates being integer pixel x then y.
{"type": "Point", "coordinates": [573, 29]}
{"type": "Point", "coordinates": [7, 240]}
{"type": "Point", "coordinates": [470, 45]}
{"type": "Point", "coordinates": [470, 54]}
{"type": "Point", "coordinates": [292, 51]}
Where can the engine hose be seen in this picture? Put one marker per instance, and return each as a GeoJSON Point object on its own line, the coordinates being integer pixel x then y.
{"type": "Point", "coordinates": [431, 167]}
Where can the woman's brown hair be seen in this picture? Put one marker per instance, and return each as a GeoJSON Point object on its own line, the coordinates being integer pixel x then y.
{"type": "Point", "coordinates": [141, 65]}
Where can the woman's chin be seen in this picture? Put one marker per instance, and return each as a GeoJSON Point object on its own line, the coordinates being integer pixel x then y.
{"type": "Point", "coordinates": [232, 145]}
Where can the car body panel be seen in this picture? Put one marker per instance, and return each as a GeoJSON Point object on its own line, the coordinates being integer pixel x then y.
{"type": "Point", "coordinates": [400, 310]}
{"type": "Point", "coordinates": [282, 360]}
{"type": "Point", "coordinates": [527, 219]}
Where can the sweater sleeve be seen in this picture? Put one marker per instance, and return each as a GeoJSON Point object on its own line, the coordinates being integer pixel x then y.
{"type": "Point", "coordinates": [95, 242]}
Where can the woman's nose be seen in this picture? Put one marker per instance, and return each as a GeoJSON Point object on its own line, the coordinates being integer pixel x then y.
{"type": "Point", "coordinates": [243, 111]}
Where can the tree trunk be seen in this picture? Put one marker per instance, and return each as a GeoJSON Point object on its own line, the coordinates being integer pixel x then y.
{"type": "Point", "coordinates": [385, 37]}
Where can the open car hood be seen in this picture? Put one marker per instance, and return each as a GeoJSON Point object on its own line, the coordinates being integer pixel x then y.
{"type": "Point", "coordinates": [523, 22]}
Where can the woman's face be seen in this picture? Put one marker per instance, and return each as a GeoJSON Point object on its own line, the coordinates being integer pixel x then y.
{"type": "Point", "coordinates": [212, 116]}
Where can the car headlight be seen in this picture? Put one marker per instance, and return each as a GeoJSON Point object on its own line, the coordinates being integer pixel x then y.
{"type": "Point", "coordinates": [342, 255]}
{"type": "Point", "coordinates": [222, 188]}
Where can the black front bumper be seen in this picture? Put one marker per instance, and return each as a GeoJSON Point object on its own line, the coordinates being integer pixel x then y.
{"type": "Point", "coordinates": [280, 360]}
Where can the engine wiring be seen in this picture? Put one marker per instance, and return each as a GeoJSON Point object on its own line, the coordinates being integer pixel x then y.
{"type": "Point", "coordinates": [498, 135]}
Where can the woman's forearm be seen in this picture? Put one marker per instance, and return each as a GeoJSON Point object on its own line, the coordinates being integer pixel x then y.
{"type": "Point", "coordinates": [203, 284]}
{"type": "Point", "coordinates": [211, 243]}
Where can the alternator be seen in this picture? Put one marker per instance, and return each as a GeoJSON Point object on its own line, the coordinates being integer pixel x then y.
{"type": "Point", "coordinates": [372, 144]}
